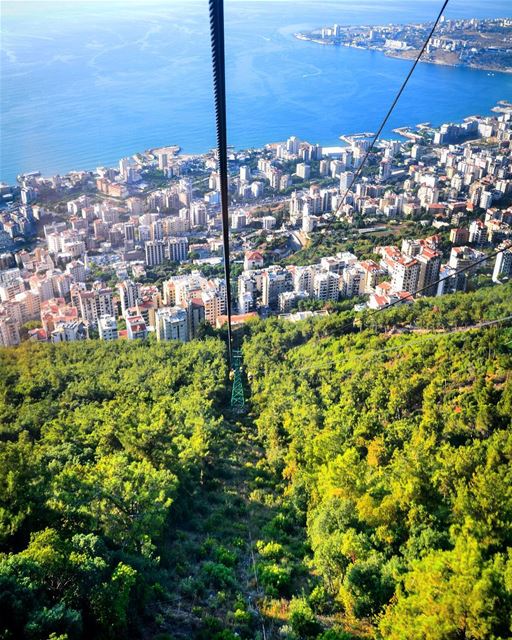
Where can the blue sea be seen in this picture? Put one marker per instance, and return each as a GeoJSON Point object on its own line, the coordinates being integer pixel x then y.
{"type": "Point", "coordinates": [86, 83]}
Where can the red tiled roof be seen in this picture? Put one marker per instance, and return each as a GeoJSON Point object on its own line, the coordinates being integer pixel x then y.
{"type": "Point", "coordinates": [380, 300]}
{"type": "Point", "coordinates": [237, 319]}
{"type": "Point", "coordinates": [406, 261]}
{"type": "Point", "coordinates": [428, 252]}
{"type": "Point", "coordinates": [136, 323]}
{"type": "Point", "coordinates": [370, 265]}
{"type": "Point", "coordinates": [38, 334]}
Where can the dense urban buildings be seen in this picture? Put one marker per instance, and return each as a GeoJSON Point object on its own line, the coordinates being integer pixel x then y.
{"type": "Point", "coordinates": [126, 253]}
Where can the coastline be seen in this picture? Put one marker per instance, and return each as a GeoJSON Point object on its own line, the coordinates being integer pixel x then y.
{"type": "Point", "coordinates": [443, 63]}
{"type": "Point", "coordinates": [406, 131]}
{"type": "Point", "coordinates": [107, 152]}
{"type": "Point", "coordinates": [396, 55]}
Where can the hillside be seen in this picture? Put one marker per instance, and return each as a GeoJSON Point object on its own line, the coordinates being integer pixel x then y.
{"type": "Point", "coordinates": [392, 453]}
{"type": "Point", "coordinates": [366, 494]}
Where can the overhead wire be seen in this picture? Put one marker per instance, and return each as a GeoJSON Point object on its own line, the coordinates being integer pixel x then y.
{"type": "Point", "coordinates": [216, 10]}
{"type": "Point", "coordinates": [359, 170]}
{"type": "Point", "coordinates": [219, 85]}
{"type": "Point", "coordinates": [219, 77]}
{"type": "Point", "coordinates": [219, 88]}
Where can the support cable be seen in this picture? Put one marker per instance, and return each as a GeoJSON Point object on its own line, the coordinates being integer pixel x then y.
{"type": "Point", "coordinates": [219, 87]}
{"type": "Point", "coordinates": [357, 174]}
{"type": "Point", "coordinates": [219, 81]}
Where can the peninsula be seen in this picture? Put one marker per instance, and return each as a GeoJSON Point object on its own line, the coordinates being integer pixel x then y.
{"type": "Point", "coordinates": [480, 44]}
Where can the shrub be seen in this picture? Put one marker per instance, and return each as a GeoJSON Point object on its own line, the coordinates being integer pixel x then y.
{"type": "Point", "coordinates": [320, 600]}
{"type": "Point", "coordinates": [272, 550]}
{"type": "Point", "coordinates": [303, 620]}
{"type": "Point", "coordinates": [218, 575]}
{"type": "Point", "coordinates": [225, 556]}
{"type": "Point", "coordinates": [332, 634]}
{"type": "Point", "coordinates": [275, 578]}
{"type": "Point", "coordinates": [58, 620]}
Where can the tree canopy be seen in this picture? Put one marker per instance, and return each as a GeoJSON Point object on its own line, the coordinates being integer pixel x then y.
{"type": "Point", "coordinates": [366, 494]}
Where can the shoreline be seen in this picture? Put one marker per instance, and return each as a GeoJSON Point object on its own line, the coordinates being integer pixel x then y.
{"type": "Point", "coordinates": [324, 141]}
{"type": "Point", "coordinates": [396, 55]}
{"type": "Point", "coordinates": [181, 152]}
{"type": "Point", "coordinates": [441, 63]}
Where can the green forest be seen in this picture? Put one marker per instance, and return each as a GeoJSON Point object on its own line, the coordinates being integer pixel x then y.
{"type": "Point", "coordinates": [366, 493]}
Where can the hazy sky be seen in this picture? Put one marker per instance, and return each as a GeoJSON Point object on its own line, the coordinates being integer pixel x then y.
{"type": "Point", "coordinates": [184, 2]}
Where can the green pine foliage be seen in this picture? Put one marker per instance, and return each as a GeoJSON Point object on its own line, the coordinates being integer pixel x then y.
{"type": "Point", "coordinates": [97, 442]}
{"type": "Point", "coordinates": [393, 452]}
{"type": "Point", "coordinates": [366, 494]}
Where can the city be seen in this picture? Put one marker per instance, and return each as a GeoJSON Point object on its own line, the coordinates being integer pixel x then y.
{"type": "Point", "coordinates": [261, 391]}
{"type": "Point", "coordinates": [480, 44]}
{"type": "Point", "coordinates": [135, 251]}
